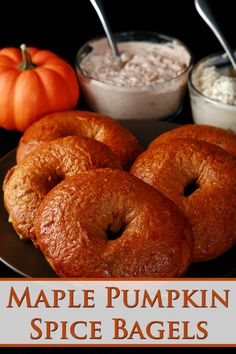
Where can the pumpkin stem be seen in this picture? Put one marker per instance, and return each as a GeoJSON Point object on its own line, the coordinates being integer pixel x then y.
{"type": "Point", "coordinates": [26, 59]}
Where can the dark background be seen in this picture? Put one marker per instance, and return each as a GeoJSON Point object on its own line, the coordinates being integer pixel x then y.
{"type": "Point", "coordinates": [63, 26]}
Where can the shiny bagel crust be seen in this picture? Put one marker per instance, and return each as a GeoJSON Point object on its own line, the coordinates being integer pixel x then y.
{"type": "Point", "coordinates": [108, 223]}
{"type": "Point", "coordinates": [226, 139]}
{"type": "Point", "coordinates": [88, 124]}
{"type": "Point", "coordinates": [211, 207]}
{"type": "Point", "coordinates": [27, 183]}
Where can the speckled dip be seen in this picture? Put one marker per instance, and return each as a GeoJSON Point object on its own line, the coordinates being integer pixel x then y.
{"type": "Point", "coordinates": [150, 84]}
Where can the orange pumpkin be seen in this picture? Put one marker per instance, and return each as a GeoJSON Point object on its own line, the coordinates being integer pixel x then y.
{"type": "Point", "coordinates": [33, 83]}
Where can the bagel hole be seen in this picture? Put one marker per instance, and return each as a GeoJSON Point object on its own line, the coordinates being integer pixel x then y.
{"type": "Point", "coordinates": [115, 234]}
{"type": "Point", "coordinates": [191, 188]}
{"type": "Point", "coordinates": [54, 179]}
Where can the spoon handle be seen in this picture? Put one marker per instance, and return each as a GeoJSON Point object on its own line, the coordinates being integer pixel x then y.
{"type": "Point", "coordinates": [204, 11]}
{"type": "Point", "coordinates": [97, 4]}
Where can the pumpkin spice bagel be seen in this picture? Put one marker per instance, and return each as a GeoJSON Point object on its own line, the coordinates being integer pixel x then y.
{"type": "Point", "coordinates": [226, 139]}
{"type": "Point", "coordinates": [27, 183]}
{"type": "Point", "coordinates": [108, 223]}
{"type": "Point", "coordinates": [92, 125]}
{"type": "Point", "coordinates": [201, 179]}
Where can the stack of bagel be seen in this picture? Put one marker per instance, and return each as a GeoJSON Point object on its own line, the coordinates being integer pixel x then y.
{"type": "Point", "coordinates": [71, 194]}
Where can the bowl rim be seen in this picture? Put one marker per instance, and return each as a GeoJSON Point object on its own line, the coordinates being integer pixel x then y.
{"type": "Point", "coordinates": [221, 54]}
{"type": "Point", "coordinates": [136, 88]}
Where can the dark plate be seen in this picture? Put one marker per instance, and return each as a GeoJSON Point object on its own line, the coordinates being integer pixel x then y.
{"type": "Point", "coordinates": [26, 260]}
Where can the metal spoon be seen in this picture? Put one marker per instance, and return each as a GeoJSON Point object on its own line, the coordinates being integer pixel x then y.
{"type": "Point", "coordinates": [204, 11]}
{"type": "Point", "coordinates": [111, 40]}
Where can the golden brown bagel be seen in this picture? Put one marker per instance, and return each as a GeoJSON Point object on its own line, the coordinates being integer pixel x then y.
{"type": "Point", "coordinates": [91, 125]}
{"type": "Point", "coordinates": [108, 223]}
{"type": "Point", "coordinates": [26, 184]}
{"type": "Point", "coordinates": [226, 139]}
{"type": "Point", "coordinates": [211, 208]}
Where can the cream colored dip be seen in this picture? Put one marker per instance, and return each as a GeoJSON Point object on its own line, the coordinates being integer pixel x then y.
{"type": "Point", "coordinates": [213, 84]}
{"type": "Point", "coordinates": [213, 92]}
{"type": "Point", "coordinates": [149, 84]}
{"type": "Point", "coordinates": [143, 64]}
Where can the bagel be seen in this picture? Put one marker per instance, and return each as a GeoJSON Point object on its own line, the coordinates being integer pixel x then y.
{"type": "Point", "coordinates": [91, 125]}
{"type": "Point", "coordinates": [210, 205]}
{"type": "Point", "coordinates": [27, 183]}
{"type": "Point", "coordinates": [108, 223]}
{"type": "Point", "coordinates": [225, 139]}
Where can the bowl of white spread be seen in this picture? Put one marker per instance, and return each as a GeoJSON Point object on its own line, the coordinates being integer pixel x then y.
{"type": "Point", "coordinates": [149, 83]}
{"type": "Point", "coordinates": [212, 86]}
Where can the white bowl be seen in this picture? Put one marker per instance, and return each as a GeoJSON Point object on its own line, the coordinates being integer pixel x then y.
{"type": "Point", "coordinates": [206, 110]}
{"type": "Point", "coordinates": [158, 101]}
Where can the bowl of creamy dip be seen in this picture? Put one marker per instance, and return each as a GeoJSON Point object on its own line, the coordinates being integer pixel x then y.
{"type": "Point", "coordinates": [149, 83]}
{"type": "Point", "coordinates": [212, 86]}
